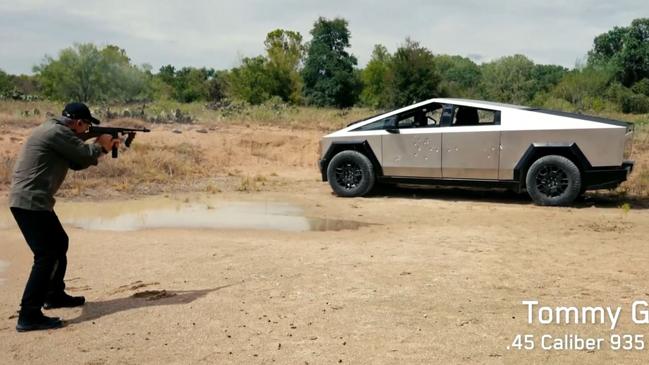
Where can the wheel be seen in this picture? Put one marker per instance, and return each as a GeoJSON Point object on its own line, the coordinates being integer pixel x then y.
{"type": "Point", "coordinates": [350, 173]}
{"type": "Point", "coordinates": [553, 180]}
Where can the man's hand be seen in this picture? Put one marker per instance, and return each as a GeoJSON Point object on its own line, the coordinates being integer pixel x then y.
{"type": "Point", "coordinates": [107, 142]}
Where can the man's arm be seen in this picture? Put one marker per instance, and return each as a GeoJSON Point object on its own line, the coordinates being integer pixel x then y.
{"type": "Point", "coordinates": [80, 155]}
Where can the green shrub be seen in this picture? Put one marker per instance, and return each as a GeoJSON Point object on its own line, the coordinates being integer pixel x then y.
{"type": "Point", "coordinates": [641, 87]}
{"type": "Point", "coordinates": [635, 103]}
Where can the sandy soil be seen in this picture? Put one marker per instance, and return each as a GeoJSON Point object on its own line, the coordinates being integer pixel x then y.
{"type": "Point", "coordinates": [438, 277]}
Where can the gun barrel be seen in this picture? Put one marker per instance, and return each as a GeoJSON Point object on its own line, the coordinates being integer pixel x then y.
{"type": "Point", "coordinates": [115, 131]}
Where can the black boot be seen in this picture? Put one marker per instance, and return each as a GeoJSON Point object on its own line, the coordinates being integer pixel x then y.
{"type": "Point", "coordinates": [63, 300]}
{"type": "Point", "coordinates": [33, 320]}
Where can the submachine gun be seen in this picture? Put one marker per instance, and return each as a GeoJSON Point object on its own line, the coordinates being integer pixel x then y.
{"type": "Point", "coordinates": [116, 132]}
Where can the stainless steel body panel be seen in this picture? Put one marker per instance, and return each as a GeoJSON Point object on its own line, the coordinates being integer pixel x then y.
{"type": "Point", "coordinates": [413, 153]}
{"type": "Point", "coordinates": [373, 138]}
{"type": "Point", "coordinates": [601, 146]}
{"type": "Point", "coordinates": [470, 153]}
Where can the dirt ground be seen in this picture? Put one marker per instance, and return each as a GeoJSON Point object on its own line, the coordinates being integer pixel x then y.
{"type": "Point", "coordinates": [438, 277]}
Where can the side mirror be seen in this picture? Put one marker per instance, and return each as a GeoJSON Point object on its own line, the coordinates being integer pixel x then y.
{"type": "Point", "coordinates": [391, 125]}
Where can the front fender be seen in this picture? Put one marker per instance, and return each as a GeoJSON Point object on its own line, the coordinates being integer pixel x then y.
{"type": "Point", "coordinates": [360, 146]}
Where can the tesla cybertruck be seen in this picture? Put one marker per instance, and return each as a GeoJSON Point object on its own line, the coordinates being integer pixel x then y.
{"type": "Point", "coordinates": [554, 156]}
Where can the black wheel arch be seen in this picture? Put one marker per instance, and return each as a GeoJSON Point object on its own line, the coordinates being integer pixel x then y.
{"type": "Point", "coordinates": [535, 151]}
{"type": "Point", "coordinates": [360, 146]}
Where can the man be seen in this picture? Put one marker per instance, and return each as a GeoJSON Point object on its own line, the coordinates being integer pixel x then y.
{"type": "Point", "coordinates": [52, 148]}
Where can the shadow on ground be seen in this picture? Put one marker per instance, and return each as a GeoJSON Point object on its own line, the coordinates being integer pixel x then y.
{"type": "Point", "coordinates": [94, 310]}
{"type": "Point", "coordinates": [597, 199]}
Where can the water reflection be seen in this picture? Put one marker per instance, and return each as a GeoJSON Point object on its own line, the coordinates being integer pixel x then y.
{"type": "Point", "coordinates": [191, 212]}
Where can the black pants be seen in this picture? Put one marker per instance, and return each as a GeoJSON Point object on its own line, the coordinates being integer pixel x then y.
{"type": "Point", "coordinates": [49, 243]}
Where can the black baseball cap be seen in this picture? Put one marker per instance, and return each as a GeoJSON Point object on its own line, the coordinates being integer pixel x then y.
{"type": "Point", "coordinates": [79, 111]}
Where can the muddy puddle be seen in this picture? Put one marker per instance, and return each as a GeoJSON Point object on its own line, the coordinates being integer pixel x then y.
{"type": "Point", "coordinates": [195, 212]}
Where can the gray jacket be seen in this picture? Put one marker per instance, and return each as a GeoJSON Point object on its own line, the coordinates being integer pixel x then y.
{"type": "Point", "coordinates": [43, 162]}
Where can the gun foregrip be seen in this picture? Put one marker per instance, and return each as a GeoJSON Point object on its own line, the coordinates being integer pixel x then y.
{"type": "Point", "coordinates": [114, 151]}
{"type": "Point", "coordinates": [129, 139]}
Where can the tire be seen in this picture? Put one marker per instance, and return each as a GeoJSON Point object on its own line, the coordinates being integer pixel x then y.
{"type": "Point", "coordinates": [351, 173]}
{"type": "Point", "coordinates": [553, 180]}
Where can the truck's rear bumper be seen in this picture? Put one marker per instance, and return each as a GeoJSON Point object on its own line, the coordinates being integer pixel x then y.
{"type": "Point", "coordinates": [607, 177]}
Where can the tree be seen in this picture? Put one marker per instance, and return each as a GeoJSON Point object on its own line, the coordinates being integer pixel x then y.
{"type": "Point", "coordinates": [25, 85]}
{"type": "Point", "coordinates": [6, 85]}
{"type": "Point", "coordinates": [217, 86]}
{"type": "Point", "coordinates": [167, 74]}
{"type": "Point", "coordinates": [329, 75]}
{"type": "Point", "coordinates": [375, 78]}
{"type": "Point", "coordinates": [547, 76]}
{"type": "Point", "coordinates": [124, 82]}
{"type": "Point", "coordinates": [17, 87]}
{"type": "Point", "coordinates": [626, 49]}
{"type": "Point", "coordinates": [284, 51]}
{"type": "Point", "coordinates": [582, 88]}
{"type": "Point", "coordinates": [413, 76]}
{"type": "Point", "coordinates": [641, 87]}
{"type": "Point", "coordinates": [192, 84]}
{"type": "Point", "coordinates": [88, 74]}
{"type": "Point", "coordinates": [509, 80]}
{"type": "Point", "coordinates": [460, 76]}
{"type": "Point", "coordinates": [277, 74]}
{"type": "Point", "coordinates": [251, 81]}
{"type": "Point", "coordinates": [188, 84]}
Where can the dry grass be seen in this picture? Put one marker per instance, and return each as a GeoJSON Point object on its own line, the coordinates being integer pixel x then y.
{"type": "Point", "coordinates": [638, 184]}
{"type": "Point", "coordinates": [145, 168]}
{"type": "Point", "coordinates": [6, 165]}
{"type": "Point", "coordinates": [252, 183]}
{"type": "Point", "coordinates": [248, 184]}
{"type": "Point", "coordinates": [232, 158]}
{"type": "Point", "coordinates": [26, 113]}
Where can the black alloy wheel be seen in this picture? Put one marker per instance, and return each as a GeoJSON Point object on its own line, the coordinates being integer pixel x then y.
{"type": "Point", "coordinates": [350, 173]}
{"type": "Point", "coordinates": [553, 180]}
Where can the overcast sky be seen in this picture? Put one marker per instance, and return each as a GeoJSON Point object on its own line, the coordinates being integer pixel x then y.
{"type": "Point", "coordinates": [218, 33]}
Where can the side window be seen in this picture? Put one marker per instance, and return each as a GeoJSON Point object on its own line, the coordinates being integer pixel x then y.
{"type": "Point", "coordinates": [374, 126]}
{"type": "Point", "coordinates": [469, 116]}
{"type": "Point", "coordinates": [433, 115]}
{"type": "Point", "coordinates": [423, 117]}
{"type": "Point", "coordinates": [406, 121]}
{"type": "Point", "coordinates": [427, 116]}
